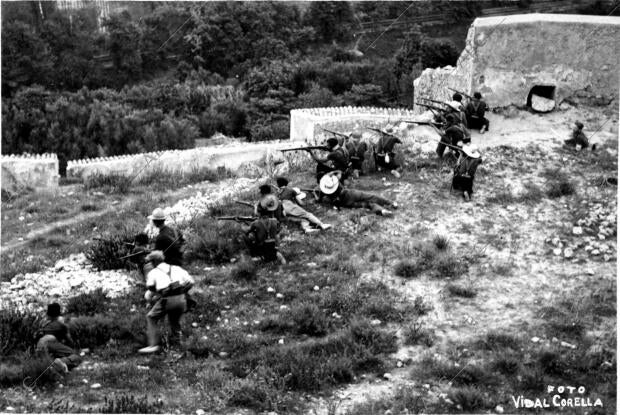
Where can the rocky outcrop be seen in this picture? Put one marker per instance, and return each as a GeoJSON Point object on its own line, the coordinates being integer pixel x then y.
{"type": "Point", "coordinates": [21, 173]}
{"type": "Point", "coordinates": [507, 56]}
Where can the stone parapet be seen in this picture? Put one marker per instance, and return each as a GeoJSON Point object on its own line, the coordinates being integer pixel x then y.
{"type": "Point", "coordinates": [234, 157]}
{"type": "Point", "coordinates": [38, 172]}
{"type": "Point", "coordinates": [306, 123]}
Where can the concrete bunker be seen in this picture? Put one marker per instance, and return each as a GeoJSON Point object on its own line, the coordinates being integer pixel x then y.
{"type": "Point", "coordinates": [533, 60]}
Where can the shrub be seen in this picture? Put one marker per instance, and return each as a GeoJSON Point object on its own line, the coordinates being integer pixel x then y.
{"type": "Point", "coordinates": [506, 364]}
{"type": "Point", "coordinates": [421, 307]}
{"type": "Point", "coordinates": [469, 398]}
{"type": "Point", "coordinates": [498, 341]}
{"type": "Point", "coordinates": [30, 370]}
{"type": "Point", "coordinates": [531, 194]}
{"type": "Point", "coordinates": [408, 269]}
{"type": "Point", "coordinates": [109, 182]}
{"type": "Point", "coordinates": [415, 334]}
{"type": "Point", "coordinates": [18, 331]}
{"type": "Point", "coordinates": [88, 303]}
{"type": "Point", "coordinates": [130, 404]}
{"type": "Point", "coordinates": [106, 253]}
{"type": "Point", "coordinates": [441, 242]}
{"type": "Point", "coordinates": [559, 188]}
{"type": "Point", "coordinates": [447, 266]}
{"type": "Point", "coordinates": [308, 319]}
{"type": "Point", "coordinates": [461, 291]}
{"type": "Point", "coordinates": [92, 331]}
{"type": "Point", "coordinates": [253, 394]}
{"type": "Point", "coordinates": [552, 362]}
{"type": "Point", "coordinates": [244, 270]}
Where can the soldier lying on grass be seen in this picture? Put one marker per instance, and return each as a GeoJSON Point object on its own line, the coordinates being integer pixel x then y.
{"type": "Point", "coordinates": [291, 199]}
{"type": "Point", "coordinates": [339, 197]}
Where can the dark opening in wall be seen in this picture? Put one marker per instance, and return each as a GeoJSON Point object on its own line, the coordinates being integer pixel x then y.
{"type": "Point", "coordinates": [544, 91]}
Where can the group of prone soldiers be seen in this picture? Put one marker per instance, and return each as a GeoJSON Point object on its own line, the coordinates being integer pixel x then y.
{"type": "Point", "coordinates": [284, 203]}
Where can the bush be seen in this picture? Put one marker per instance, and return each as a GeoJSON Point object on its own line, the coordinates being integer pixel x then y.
{"type": "Point", "coordinates": [421, 307]}
{"type": "Point", "coordinates": [461, 291]}
{"type": "Point", "coordinates": [560, 188]}
{"type": "Point", "coordinates": [244, 270]}
{"type": "Point", "coordinates": [274, 130]}
{"type": "Point", "coordinates": [415, 334]}
{"type": "Point", "coordinates": [441, 242]}
{"type": "Point", "coordinates": [92, 331]}
{"type": "Point", "coordinates": [30, 370]}
{"type": "Point", "coordinates": [89, 303]}
{"type": "Point", "coordinates": [308, 319]}
{"type": "Point", "coordinates": [130, 404]}
{"type": "Point", "coordinates": [106, 253]}
{"type": "Point", "coordinates": [19, 331]}
{"type": "Point", "coordinates": [408, 269]}
{"type": "Point", "coordinates": [109, 182]}
{"type": "Point", "coordinates": [447, 266]}
{"type": "Point", "coordinates": [469, 398]}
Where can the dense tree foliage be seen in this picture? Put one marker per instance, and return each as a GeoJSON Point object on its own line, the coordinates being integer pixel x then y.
{"type": "Point", "coordinates": [181, 70]}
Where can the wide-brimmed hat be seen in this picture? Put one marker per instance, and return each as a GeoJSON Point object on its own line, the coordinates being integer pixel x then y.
{"type": "Point", "coordinates": [158, 214]}
{"type": "Point", "coordinates": [269, 202]}
{"type": "Point", "coordinates": [471, 150]}
{"type": "Point", "coordinates": [329, 184]}
{"type": "Point", "coordinates": [356, 134]}
{"type": "Point", "coordinates": [156, 256]}
{"type": "Point", "coordinates": [388, 130]}
{"type": "Point", "coordinates": [455, 105]}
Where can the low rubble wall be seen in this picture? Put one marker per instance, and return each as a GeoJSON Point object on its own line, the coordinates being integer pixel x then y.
{"type": "Point", "coordinates": [37, 172]}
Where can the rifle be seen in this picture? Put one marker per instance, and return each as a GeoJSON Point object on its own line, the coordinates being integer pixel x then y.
{"type": "Point", "coordinates": [346, 137]}
{"type": "Point", "coordinates": [244, 219]}
{"type": "Point", "coordinates": [438, 124]}
{"type": "Point", "coordinates": [241, 202]}
{"type": "Point", "coordinates": [431, 107]}
{"type": "Point", "coordinates": [462, 93]}
{"type": "Point", "coordinates": [435, 101]}
{"type": "Point", "coordinates": [305, 148]}
{"type": "Point", "coordinates": [136, 254]}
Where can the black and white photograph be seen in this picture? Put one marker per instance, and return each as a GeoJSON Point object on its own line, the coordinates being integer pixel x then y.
{"type": "Point", "coordinates": [309, 207]}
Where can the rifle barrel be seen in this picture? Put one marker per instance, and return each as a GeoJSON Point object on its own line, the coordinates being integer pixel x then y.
{"type": "Point", "coordinates": [459, 92]}
{"type": "Point", "coordinates": [244, 203]}
{"type": "Point", "coordinates": [335, 133]}
{"type": "Point", "coordinates": [305, 148]}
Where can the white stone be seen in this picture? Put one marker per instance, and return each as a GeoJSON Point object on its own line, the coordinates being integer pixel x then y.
{"type": "Point", "coordinates": [316, 288]}
{"type": "Point", "coordinates": [541, 104]}
{"type": "Point", "coordinates": [577, 230]}
{"type": "Point", "coordinates": [535, 339]}
{"type": "Point", "coordinates": [568, 253]}
{"type": "Point", "coordinates": [279, 295]}
{"type": "Point", "coordinates": [375, 322]}
{"type": "Point", "coordinates": [270, 290]}
{"type": "Point", "coordinates": [200, 412]}
{"type": "Point", "coordinates": [499, 409]}
{"type": "Point", "coordinates": [95, 386]}
{"type": "Point", "coordinates": [557, 251]}
{"type": "Point", "coordinates": [281, 341]}
{"type": "Point", "coordinates": [568, 345]}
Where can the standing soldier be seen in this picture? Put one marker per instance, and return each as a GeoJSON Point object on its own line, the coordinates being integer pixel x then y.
{"type": "Point", "coordinates": [465, 170]}
{"type": "Point", "coordinates": [384, 152]}
{"type": "Point", "coordinates": [475, 110]}
{"type": "Point", "coordinates": [167, 286]}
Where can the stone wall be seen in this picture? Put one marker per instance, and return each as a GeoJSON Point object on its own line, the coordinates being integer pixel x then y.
{"type": "Point", "coordinates": [242, 158]}
{"type": "Point", "coordinates": [37, 172]}
{"type": "Point", "coordinates": [307, 124]}
{"type": "Point", "coordinates": [506, 56]}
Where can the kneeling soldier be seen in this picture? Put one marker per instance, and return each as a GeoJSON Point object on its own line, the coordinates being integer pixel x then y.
{"type": "Point", "coordinates": [261, 237]}
{"type": "Point", "coordinates": [465, 170]}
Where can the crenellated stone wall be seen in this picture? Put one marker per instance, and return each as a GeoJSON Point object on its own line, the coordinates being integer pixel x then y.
{"type": "Point", "coordinates": [246, 159]}
{"type": "Point", "coordinates": [307, 123]}
{"type": "Point", "coordinates": [36, 172]}
{"type": "Point", "coordinates": [506, 56]}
